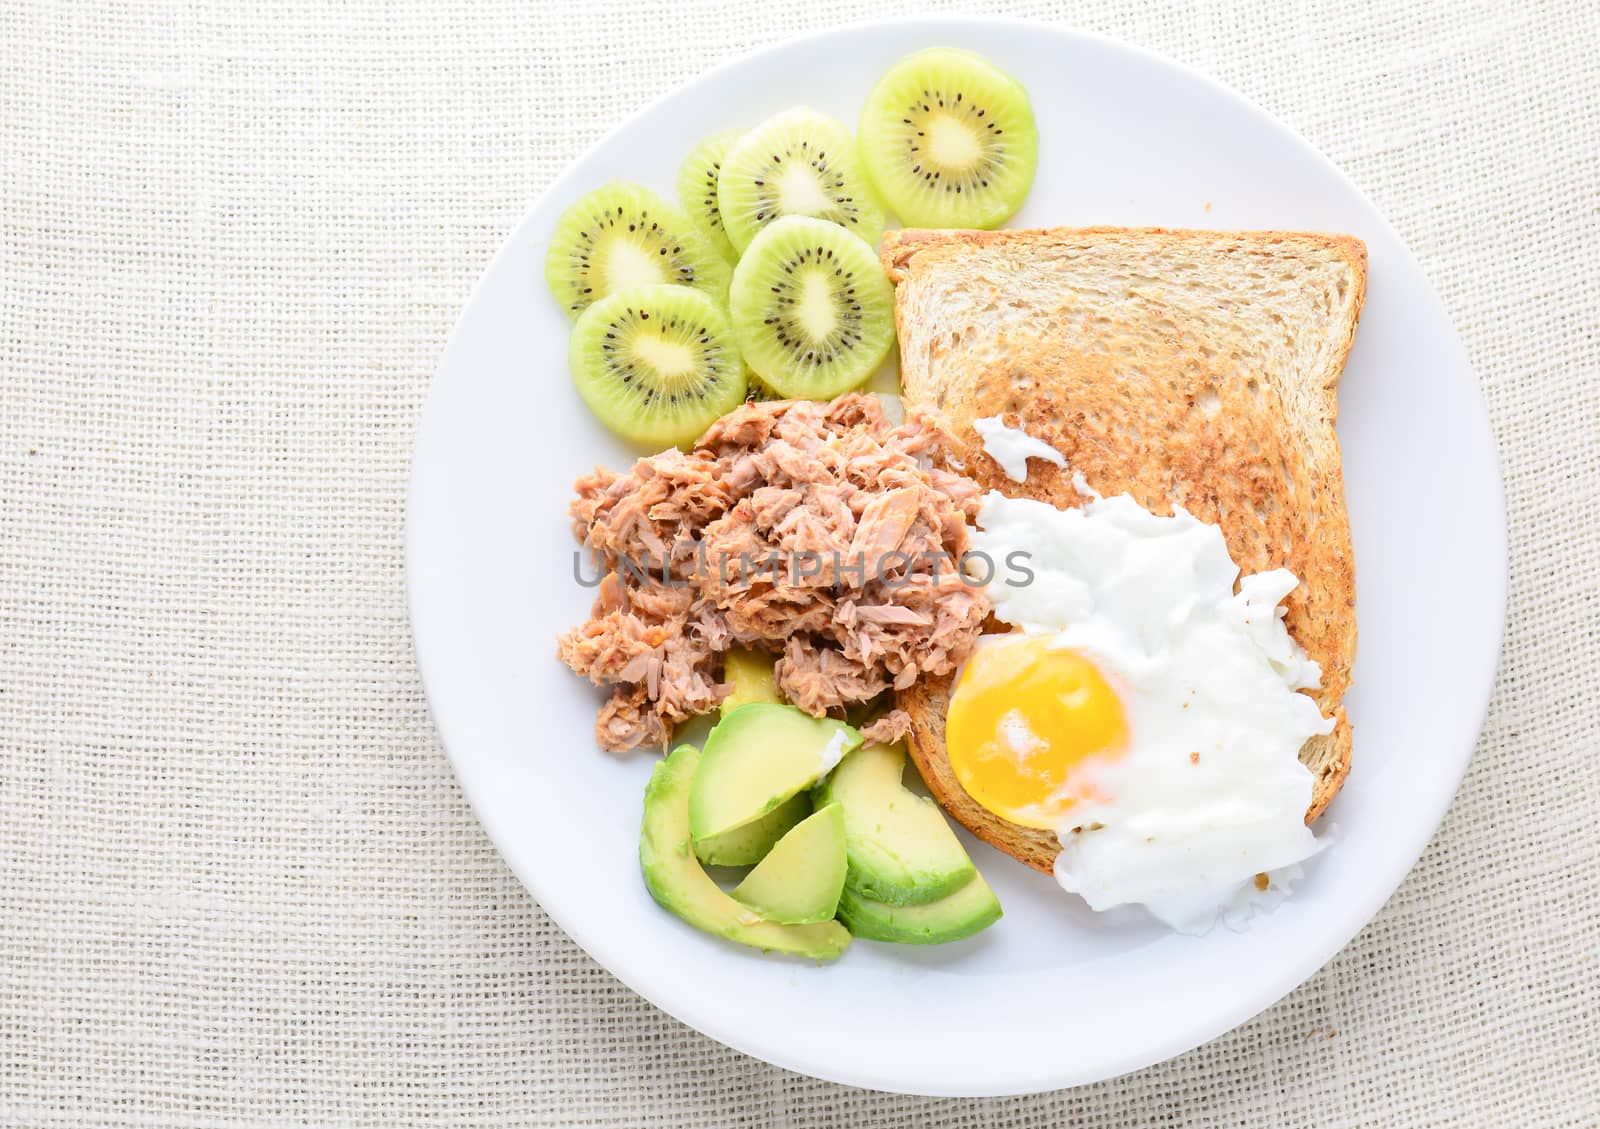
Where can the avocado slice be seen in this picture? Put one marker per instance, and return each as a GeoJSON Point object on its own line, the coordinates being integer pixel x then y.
{"type": "Point", "coordinates": [756, 758]}
{"type": "Point", "coordinates": [749, 844]}
{"type": "Point", "coordinates": [901, 849]}
{"type": "Point", "coordinates": [678, 883]}
{"type": "Point", "coordinates": [751, 673]}
{"type": "Point", "coordinates": [798, 883]}
{"type": "Point", "coordinates": [967, 911]}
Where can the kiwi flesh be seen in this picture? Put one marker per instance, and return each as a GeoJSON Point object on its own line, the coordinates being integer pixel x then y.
{"type": "Point", "coordinates": [657, 364]}
{"type": "Point", "coordinates": [697, 189]}
{"type": "Point", "coordinates": [622, 236]}
{"type": "Point", "coordinates": [756, 391]}
{"type": "Point", "coordinates": [799, 162]}
{"type": "Point", "coordinates": [949, 140]}
{"type": "Point", "coordinates": [811, 308]}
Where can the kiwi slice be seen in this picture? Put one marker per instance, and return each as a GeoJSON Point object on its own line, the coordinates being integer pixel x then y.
{"type": "Point", "coordinates": [657, 364]}
{"type": "Point", "coordinates": [622, 236]}
{"type": "Point", "coordinates": [697, 189]}
{"type": "Point", "coordinates": [758, 392]}
{"type": "Point", "coordinates": [799, 163]}
{"type": "Point", "coordinates": [949, 140]}
{"type": "Point", "coordinates": [812, 309]}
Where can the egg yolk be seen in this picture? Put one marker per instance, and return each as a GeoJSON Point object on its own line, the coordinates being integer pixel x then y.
{"type": "Point", "coordinates": [1022, 718]}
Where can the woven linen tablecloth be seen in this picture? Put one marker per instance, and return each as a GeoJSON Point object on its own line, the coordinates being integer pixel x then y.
{"type": "Point", "coordinates": [238, 882]}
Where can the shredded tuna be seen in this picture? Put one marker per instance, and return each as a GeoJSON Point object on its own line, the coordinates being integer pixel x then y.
{"type": "Point", "coordinates": [818, 678]}
{"type": "Point", "coordinates": [608, 648]}
{"type": "Point", "coordinates": [820, 531]}
{"type": "Point", "coordinates": [885, 521]}
{"type": "Point", "coordinates": [628, 721]}
{"type": "Point", "coordinates": [887, 729]}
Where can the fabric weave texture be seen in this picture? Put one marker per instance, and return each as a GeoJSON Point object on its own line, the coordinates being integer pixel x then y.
{"type": "Point", "coordinates": [239, 885]}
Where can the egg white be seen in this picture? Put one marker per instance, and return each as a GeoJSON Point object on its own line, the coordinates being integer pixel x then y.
{"type": "Point", "coordinates": [1210, 791]}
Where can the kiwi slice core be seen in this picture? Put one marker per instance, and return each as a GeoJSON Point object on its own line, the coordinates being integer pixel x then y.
{"type": "Point", "coordinates": [811, 307]}
{"type": "Point", "coordinates": [949, 140]}
{"type": "Point", "coordinates": [657, 364]}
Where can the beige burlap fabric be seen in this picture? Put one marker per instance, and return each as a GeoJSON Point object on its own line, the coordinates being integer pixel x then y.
{"type": "Point", "coordinates": [238, 882]}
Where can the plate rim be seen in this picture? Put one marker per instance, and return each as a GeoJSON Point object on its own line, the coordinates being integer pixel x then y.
{"type": "Point", "coordinates": [1422, 831]}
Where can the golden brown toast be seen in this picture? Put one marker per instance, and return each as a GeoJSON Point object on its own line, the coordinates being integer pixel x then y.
{"type": "Point", "coordinates": [1190, 367]}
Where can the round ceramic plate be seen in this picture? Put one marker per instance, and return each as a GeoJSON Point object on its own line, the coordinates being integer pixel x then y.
{"type": "Point", "coordinates": [1053, 995]}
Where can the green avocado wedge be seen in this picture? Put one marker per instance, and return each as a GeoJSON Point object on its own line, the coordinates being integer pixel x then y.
{"type": "Point", "coordinates": [756, 758]}
{"type": "Point", "coordinates": [900, 848]}
{"type": "Point", "coordinates": [750, 673]}
{"type": "Point", "coordinates": [679, 884]}
{"type": "Point", "coordinates": [747, 845]}
{"type": "Point", "coordinates": [799, 881]}
{"type": "Point", "coordinates": [969, 910]}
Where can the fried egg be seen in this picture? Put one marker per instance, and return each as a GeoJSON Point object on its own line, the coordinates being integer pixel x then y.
{"type": "Point", "coordinates": [1140, 707]}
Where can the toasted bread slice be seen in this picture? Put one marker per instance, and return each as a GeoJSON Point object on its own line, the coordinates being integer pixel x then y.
{"type": "Point", "coordinates": [1189, 367]}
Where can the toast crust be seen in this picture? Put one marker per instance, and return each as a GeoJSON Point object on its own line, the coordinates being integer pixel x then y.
{"type": "Point", "coordinates": [1181, 367]}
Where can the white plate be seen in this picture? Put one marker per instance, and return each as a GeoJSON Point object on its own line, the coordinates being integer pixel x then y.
{"type": "Point", "coordinates": [1053, 995]}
